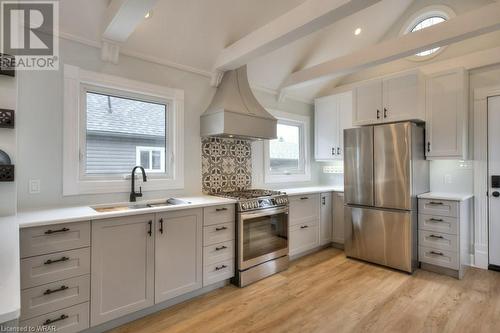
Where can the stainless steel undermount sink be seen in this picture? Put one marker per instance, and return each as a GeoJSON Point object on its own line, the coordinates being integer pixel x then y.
{"type": "Point", "coordinates": [118, 208]}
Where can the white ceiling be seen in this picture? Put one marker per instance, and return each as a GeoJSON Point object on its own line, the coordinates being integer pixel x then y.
{"type": "Point", "coordinates": [191, 33]}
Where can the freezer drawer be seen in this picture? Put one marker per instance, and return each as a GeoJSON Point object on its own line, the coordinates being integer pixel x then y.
{"type": "Point", "coordinates": [380, 236]}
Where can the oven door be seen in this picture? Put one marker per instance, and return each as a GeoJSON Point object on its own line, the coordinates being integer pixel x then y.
{"type": "Point", "coordinates": [263, 236]}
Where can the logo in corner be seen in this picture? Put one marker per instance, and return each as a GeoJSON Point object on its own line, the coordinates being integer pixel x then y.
{"type": "Point", "coordinates": [29, 35]}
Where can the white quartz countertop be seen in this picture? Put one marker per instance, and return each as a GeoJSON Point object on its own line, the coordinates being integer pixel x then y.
{"type": "Point", "coordinates": [446, 196]}
{"type": "Point", "coordinates": [85, 213]}
{"type": "Point", "coordinates": [312, 189]}
{"type": "Point", "coordinates": [10, 299]}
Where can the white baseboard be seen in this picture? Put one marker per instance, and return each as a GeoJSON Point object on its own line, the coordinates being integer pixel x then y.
{"type": "Point", "coordinates": [479, 259]}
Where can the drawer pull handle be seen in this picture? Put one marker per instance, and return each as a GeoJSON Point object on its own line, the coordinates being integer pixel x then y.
{"type": "Point", "coordinates": [434, 236]}
{"type": "Point", "coordinates": [436, 203]}
{"type": "Point", "coordinates": [437, 253]}
{"type": "Point", "coordinates": [220, 209]}
{"type": "Point", "coordinates": [436, 220]}
{"type": "Point", "coordinates": [304, 226]}
{"type": "Point", "coordinates": [49, 232]}
{"type": "Point", "coordinates": [304, 198]}
{"type": "Point", "coordinates": [218, 268]}
{"type": "Point", "coordinates": [51, 321]}
{"type": "Point", "coordinates": [50, 261]}
{"type": "Point", "coordinates": [50, 291]}
{"type": "Point", "coordinates": [150, 231]}
{"type": "Point", "coordinates": [223, 247]}
{"type": "Point", "coordinates": [220, 228]}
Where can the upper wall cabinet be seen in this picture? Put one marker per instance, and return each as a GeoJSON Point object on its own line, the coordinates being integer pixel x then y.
{"type": "Point", "coordinates": [332, 115]}
{"type": "Point", "coordinates": [447, 118]}
{"type": "Point", "coordinates": [394, 98]}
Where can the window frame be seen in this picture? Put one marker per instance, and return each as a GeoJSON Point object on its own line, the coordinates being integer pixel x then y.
{"type": "Point", "coordinates": [442, 11]}
{"type": "Point", "coordinates": [77, 83]}
{"type": "Point", "coordinates": [304, 150]}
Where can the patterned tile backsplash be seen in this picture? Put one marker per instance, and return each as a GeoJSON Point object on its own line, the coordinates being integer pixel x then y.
{"type": "Point", "coordinates": [226, 164]}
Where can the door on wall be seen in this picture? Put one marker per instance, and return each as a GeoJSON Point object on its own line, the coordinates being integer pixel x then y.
{"type": "Point", "coordinates": [494, 180]}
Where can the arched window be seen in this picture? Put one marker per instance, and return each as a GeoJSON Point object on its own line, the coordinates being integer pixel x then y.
{"type": "Point", "coordinates": [425, 18]}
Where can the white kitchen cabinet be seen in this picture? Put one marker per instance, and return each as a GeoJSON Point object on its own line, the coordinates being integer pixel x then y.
{"type": "Point", "coordinates": [304, 219]}
{"type": "Point", "coordinates": [447, 118]}
{"type": "Point", "coordinates": [178, 253]}
{"type": "Point", "coordinates": [338, 217]}
{"type": "Point", "coordinates": [332, 115]}
{"type": "Point", "coordinates": [367, 103]}
{"type": "Point", "coordinates": [326, 219]}
{"type": "Point", "coordinates": [122, 267]}
{"type": "Point", "coordinates": [394, 98]}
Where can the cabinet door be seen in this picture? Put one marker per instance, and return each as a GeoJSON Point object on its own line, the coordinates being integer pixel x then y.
{"type": "Point", "coordinates": [367, 103]}
{"type": "Point", "coordinates": [178, 249]}
{"type": "Point", "coordinates": [122, 275]}
{"type": "Point", "coordinates": [446, 107]}
{"type": "Point", "coordinates": [345, 119]}
{"type": "Point", "coordinates": [326, 224]}
{"type": "Point", "coordinates": [403, 98]}
{"type": "Point", "coordinates": [338, 218]}
{"type": "Point", "coordinates": [326, 128]}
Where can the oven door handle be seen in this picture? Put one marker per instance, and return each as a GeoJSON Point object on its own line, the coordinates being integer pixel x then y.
{"type": "Point", "coordinates": [264, 212]}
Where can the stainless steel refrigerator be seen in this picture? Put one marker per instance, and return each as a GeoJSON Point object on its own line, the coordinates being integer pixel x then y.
{"type": "Point", "coordinates": [384, 170]}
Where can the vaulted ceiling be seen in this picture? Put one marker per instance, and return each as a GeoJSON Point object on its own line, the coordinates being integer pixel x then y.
{"type": "Point", "coordinates": [191, 34]}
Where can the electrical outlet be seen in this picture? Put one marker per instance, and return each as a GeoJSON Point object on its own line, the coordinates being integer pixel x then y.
{"type": "Point", "coordinates": [34, 186]}
{"type": "Point", "coordinates": [335, 169]}
{"type": "Point", "coordinates": [448, 179]}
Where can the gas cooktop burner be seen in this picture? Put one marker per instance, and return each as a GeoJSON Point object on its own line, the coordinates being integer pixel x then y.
{"type": "Point", "coordinates": [254, 199]}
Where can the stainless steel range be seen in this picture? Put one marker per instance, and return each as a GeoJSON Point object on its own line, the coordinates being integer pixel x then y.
{"type": "Point", "coordinates": [261, 234]}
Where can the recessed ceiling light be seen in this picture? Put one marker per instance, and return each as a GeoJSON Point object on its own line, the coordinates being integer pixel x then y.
{"type": "Point", "coordinates": [357, 31]}
{"type": "Point", "coordinates": [148, 15]}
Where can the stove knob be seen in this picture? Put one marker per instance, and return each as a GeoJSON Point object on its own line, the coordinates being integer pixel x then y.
{"type": "Point", "coordinates": [243, 205]}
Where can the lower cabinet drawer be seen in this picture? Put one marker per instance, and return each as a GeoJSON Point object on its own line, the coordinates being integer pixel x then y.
{"type": "Point", "coordinates": [437, 240]}
{"type": "Point", "coordinates": [218, 252]}
{"type": "Point", "coordinates": [54, 296]}
{"type": "Point", "coordinates": [438, 207]}
{"type": "Point", "coordinates": [70, 320]}
{"type": "Point", "coordinates": [218, 272]}
{"type": "Point", "coordinates": [303, 237]}
{"type": "Point", "coordinates": [438, 257]}
{"type": "Point", "coordinates": [36, 241]}
{"type": "Point", "coordinates": [218, 233]}
{"type": "Point", "coordinates": [448, 225]}
{"type": "Point", "coordinates": [40, 270]}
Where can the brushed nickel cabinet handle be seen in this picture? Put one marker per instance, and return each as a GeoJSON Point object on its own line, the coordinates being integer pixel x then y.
{"type": "Point", "coordinates": [436, 203]}
{"type": "Point", "coordinates": [220, 248]}
{"type": "Point", "coordinates": [220, 228]}
{"type": "Point", "coordinates": [150, 231]}
{"type": "Point", "coordinates": [304, 198]}
{"type": "Point", "coordinates": [218, 268]}
{"type": "Point", "coordinates": [436, 220]}
{"type": "Point", "coordinates": [437, 253]}
{"type": "Point", "coordinates": [434, 236]}
{"type": "Point", "coordinates": [220, 209]}
{"type": "Point", "coordinates": [161, 226]}
{"type": "Point", "coordinates": [304, 226]}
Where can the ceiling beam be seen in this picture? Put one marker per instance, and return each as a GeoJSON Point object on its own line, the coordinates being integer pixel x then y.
{"type": "Point", "coordinates": [123, 17]}
{"type": "Point", "coordinates": [304, 19]}
{"type": "Point", "coordinates": [474, 23]}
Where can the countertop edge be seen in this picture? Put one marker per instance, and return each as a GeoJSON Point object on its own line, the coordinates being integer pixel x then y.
{"type": "Point", "coordinates": [312, 189]}
{"type": "Point", "coordinates": [446, 196]}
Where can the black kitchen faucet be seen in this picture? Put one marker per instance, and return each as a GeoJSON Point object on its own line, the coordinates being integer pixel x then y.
{"type": "Point", "coordinates": [133, 193]}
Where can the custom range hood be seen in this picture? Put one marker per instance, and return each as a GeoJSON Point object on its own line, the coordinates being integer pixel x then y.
{"type": "Point", "coordinates": [235, 112]}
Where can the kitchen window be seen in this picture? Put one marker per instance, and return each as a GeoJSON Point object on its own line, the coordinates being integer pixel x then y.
{"type": "Point", "coordinates": [113, 124]}
{"type": "Point", "coordinates": [286, 158]}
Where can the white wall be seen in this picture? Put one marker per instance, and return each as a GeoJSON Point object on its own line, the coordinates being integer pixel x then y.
{"type": "Point", "coordinates": [40, 124]}
{"type": "Point", "coordinates": [8, 144]}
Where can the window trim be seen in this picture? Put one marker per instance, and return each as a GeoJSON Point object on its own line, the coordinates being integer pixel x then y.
{"type": "Point", "coordinates": [76, 81]}
{"type": "Point", "coordinates": [304, 123]}
{"type": "Point", "coordinates": [140, 149]}
{"type": "Point", "coordinates": [425, 13]}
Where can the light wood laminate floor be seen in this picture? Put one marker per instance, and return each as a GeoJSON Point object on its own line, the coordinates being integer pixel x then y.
{"type": "Point", "coordinates": [326, 292]}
